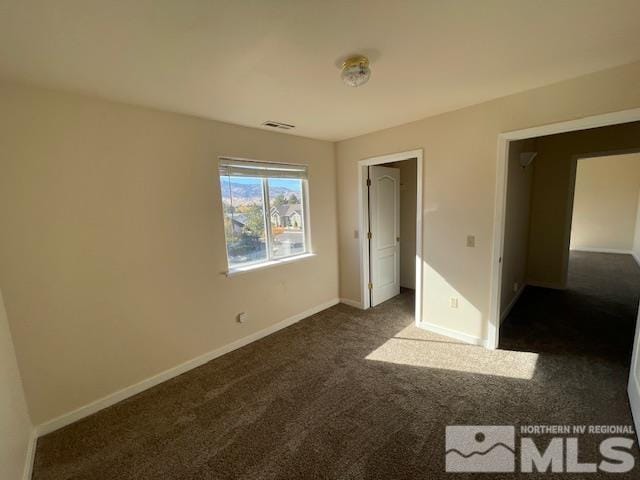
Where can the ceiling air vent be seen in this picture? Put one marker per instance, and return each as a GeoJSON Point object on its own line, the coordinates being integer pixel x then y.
{"type": "Point", "coordinates": [280, 125]}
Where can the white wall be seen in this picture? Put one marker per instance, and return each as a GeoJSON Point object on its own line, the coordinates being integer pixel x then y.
{"type": "Point", "coordinates": [15, 424]}
{"type": "Point", "coordinates": [605, 203]}
{"type": "Point", "coordinates": [516, 229]}
{"type": "Point", "coordinates": [112, 250]}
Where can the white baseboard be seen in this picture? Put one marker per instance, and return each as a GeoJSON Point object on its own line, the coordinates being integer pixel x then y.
{"type": "Point", "coordinates": [111, 399]}
{"type": "Point", "coordinates": [601, 250]}
{"type": "Point", "coordinates": [463, 337]}
{"type": "Point", "coordinates": [351, 303]}
{"type": "Point", "coordinates": [513, 301]}
{"type": "Point", "coordinates": [636, 258]}
{"type": "Point", "coordinates": [30, 456]}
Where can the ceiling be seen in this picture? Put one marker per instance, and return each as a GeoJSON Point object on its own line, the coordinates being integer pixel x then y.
{"type": "Point", "coordinates": [247, 61]}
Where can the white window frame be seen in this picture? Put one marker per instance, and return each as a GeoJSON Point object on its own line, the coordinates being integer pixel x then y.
{"type": "Point", "coordinates": [266, 201]}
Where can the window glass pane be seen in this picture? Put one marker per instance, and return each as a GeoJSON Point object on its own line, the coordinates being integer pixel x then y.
{"type": "Point", "coordinates": [286, 214]}
{"type": "Point", "coordinates": [244, 224]}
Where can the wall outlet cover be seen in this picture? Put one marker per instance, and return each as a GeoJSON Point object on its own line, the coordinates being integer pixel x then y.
{"type": "Point", "coordinates": [471, 241]}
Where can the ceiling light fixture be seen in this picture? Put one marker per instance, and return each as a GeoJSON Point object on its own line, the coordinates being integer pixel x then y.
{"type": "Point", "coordinates": [356, 71]}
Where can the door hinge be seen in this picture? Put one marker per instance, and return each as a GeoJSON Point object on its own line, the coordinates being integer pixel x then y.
{"type": "Point", "coordinates": [368, 182]}
{"type": "Point", "coordinates": [370, 286]}
{"type": "Point", "coordinates": [369, 235]}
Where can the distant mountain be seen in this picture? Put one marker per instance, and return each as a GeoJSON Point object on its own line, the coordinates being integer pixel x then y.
{"type": "Point", "coordinates": [243, 193]}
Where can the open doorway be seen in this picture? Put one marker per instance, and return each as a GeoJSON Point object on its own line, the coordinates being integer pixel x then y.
{"type": "Point", "coordinates": [546, 236]}
{"type": "Point", "coordinates": [567, 256]}
{"type": "Point", "coordinates": [566, 192]}
{"type": "Point", "coordinates": [390, 192]}
{"type": "Point", "coordinates": [605, 204]}
{"type": "Point", "coordinates": [571, 277]}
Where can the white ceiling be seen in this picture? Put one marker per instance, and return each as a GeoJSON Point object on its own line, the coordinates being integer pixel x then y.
{"type": "Point", "coordinates": [249, 61]}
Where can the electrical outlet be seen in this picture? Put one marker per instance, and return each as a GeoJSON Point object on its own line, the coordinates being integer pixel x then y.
{"type": "Point", "coordinates": [515, 287]}
{"type": "Point", "coordinates": [242, 317]}
{"type": "Point", "coordinates": [471, 241]}
{"type": "Point", "coordinates": [453, 302]}
{"type": "Point", "coordinates": [356, 234]}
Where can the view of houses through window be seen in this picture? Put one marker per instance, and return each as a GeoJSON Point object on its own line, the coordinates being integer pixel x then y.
{"type": "Point", "coordinates": [257, 234]}
{"type": "Point", "coordinates": [287, 225]}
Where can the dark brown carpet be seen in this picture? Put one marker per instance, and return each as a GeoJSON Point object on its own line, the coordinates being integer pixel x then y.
{"type": "Point", "coordinates": [348, 394]}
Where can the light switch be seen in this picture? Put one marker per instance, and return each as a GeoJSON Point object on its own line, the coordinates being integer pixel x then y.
{"type": "Point", "coordinates": [471, 241]}
{"type": "Point", "coordinates": [356, 234]}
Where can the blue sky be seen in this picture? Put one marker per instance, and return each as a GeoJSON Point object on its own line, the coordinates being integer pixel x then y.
{"type": "Point", "coordinates": [285, 182]}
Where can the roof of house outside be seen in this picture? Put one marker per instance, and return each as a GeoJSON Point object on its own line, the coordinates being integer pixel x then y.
{"type": "Point", "coordinates": [240, 218]}
{"type": "Point", "coordinates": [288, 209]}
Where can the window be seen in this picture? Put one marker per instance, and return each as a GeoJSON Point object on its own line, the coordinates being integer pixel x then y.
{"type": "Point", "coordinates": [265, 211]}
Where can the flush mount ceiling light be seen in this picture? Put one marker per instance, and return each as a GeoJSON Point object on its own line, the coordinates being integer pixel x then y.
{"type": "Point", "coordinates": [355, 71]}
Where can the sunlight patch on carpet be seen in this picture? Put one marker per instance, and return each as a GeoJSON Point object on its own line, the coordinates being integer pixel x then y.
{"type": "Point", "coordinates": [418, 348]}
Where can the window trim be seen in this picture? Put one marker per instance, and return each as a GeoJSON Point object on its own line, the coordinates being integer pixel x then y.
{"type": "Point", "coordinates": [270, 261]}
{"type": "Point", "coordinates": [252, 267]}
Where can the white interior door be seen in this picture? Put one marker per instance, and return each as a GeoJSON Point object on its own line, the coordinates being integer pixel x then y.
{"type": "Point", "coordinates": [634, 379]}
{"type": "Point", "coordinates": [384, 225]}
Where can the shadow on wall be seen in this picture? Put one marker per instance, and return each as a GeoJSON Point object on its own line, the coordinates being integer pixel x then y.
{"type": "Point", "coordinates": [517, 219]}
{"type": "Point", "coordinates": [451, 295]}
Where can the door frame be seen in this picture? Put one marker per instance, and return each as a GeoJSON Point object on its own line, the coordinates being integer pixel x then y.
{"type": "Point", "coordinates": [504, 139]}
{"type": "Point", "coordinates": [363, 223]}
{"type": "Point", "coordinates": [633, 386]}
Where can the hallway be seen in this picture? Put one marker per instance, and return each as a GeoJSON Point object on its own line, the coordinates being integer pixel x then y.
{"type": "Point", "coordinates": [594, 317]}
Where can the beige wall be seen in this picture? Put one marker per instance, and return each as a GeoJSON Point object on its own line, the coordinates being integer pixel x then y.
{"type": "Point", "coordinates": [408, 191]}
{"type": "Point", "coordinates": [605, 203]}
{"type": "Point", "coordinates": [516, 228]}
{"type": "Point", "coordinates": [551, 198]}
{"type": "Point", "coordinates": [460, 151]}
{"type": "Point", "coordinates": [112, 245]}
{"type": "Point", "coordinates": [15, 425]}
{"type": "Point", "coordinates": [112, 242]}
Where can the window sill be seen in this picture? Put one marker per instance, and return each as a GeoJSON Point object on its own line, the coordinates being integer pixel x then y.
{"type": "Point", "coordinates": [273, 263]}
